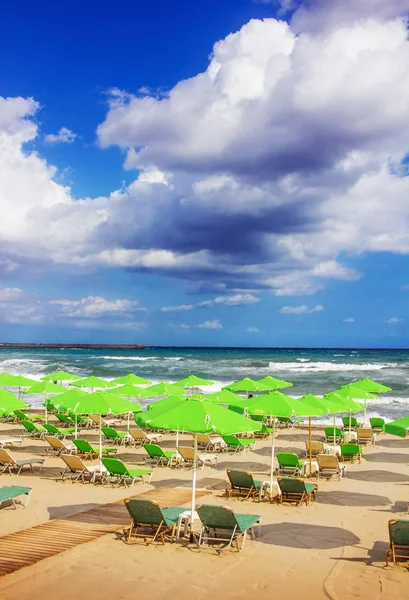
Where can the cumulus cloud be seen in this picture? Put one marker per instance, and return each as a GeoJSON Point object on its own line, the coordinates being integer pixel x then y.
{"type": "Point", "coordinates": [348, 320]}
{"type": "Point", "coordinates": [252, 329]}
{"type": "Point", "coordinates": [64, 136]}
{"type": "Point", "coordinates": [395, 320]}
{"type": "Point", "coordinates": [211, 325]}
{"type": "Point", "coordinates": [235, 300]}
{"type": "Point", "coordinates": [299, 310]}
{"type": "Point", "coordinates": [95, 307]}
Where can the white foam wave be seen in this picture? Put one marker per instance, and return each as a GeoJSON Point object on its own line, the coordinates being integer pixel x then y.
{"type": "Point", "coordinates": [303, 360]}
{"type": "Point", "coordinates": [134, 358]}
{"type": "Point", "coordinates": [173, 357]}
{"type": "Point", "coordinates": [329, 366]}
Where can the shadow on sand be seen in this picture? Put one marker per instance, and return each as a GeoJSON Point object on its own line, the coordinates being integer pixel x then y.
{"type": "Point", "coordinates": [340, 498]}
{"type": "Point", "coordinates": [302, 535]}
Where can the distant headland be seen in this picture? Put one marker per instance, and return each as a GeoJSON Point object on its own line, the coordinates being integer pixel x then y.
{"type": "Point", "coordinates": [82, 346]}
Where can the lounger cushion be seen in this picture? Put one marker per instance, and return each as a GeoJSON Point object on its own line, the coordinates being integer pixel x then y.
{"type": "Point", "coordinates": [12, 491]}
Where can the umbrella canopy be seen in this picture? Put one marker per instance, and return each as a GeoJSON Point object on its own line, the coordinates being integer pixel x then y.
{"type": "Point", "coordinates": [274, 384]}
{"type": "Point", "coordinates": [371, 386]}
{"type": "Point", "coordinates": [9, 402]}
{"type": "Point", "coordinates": [223, 397]}
{"type": "Point", "coordinates": [69, 396]}
{"type": "Point", "coordinates": [354, 392]}
{"type": "Point", "coordinates": [91, 382]}
{"type": "Point", "coordinates": [193, 381]}
{"type": "Point", "coordinates": [6, 396]}
{"type": "Point", "coordinates": [8, 380]}
{"type": "Point", "coordinates": [126, 391]}
{"type": "Point", "coordinates": [98, 403]}
{"type": "Point", "coordinates": [60, 376]}
{"type": "Point", "coordinates": [246, 385]}
{"type": "Point", "coordinates": [45, 387]}
{"type": "Point", "coordinates": [166, 403]}
{"type": "Point", "coordinates": [161, 389]}
{"type": "Point", "coordinates": [399, 427]}
{"type": "Point", "coordinates": [131, 379]}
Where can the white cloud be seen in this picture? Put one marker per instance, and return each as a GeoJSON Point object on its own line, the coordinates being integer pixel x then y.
{"type": "Point", "coordinates": [348, 320]}
{"type": "Point", "coordinates": [252, 329]}
{"type": "Point", "coordinates": [394, 320]}
{"type": "Point", "coordinates": [95, 307]}
{"type": "Point", "coordinates": [235, 300]}
{"type": "Point", "coordinates": [64, 136]}
{"type": "Point", "coordinates": [211, 325]}
{"type": "Point", "coordinates": [299, 310]}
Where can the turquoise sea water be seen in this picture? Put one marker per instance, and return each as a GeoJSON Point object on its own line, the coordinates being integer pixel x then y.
{"type": "Point", "coordinates": [310, 370]}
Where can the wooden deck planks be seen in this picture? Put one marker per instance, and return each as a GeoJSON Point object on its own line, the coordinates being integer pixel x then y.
{"type": "Point", "coordinates": [27, 547]}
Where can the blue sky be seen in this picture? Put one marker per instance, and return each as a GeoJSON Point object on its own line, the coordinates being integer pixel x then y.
{"type": "Point", "coordinates": [208, 173]}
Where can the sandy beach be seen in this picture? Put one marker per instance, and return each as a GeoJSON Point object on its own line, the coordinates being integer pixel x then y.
{"type": "Point", "coordinates": [334, 548]}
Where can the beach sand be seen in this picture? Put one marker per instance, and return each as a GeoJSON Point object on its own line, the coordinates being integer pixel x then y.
{"type": "Point", "coordinates": [332, 549]}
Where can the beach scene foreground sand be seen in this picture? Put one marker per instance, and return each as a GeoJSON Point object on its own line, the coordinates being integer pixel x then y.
{"type": "Point", "coordinates": [333, 548]}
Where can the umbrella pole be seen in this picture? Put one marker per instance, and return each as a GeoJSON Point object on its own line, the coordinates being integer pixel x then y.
{"type": "Point", "coordinates": [309, 443]}
{"type": "Point", "coordinates": [129, 416]}
{"type": "Point", "coordinates": [76, 426]}
{"type": "Point", "coordinates": [272, 456]}
{"type": "Point", "coordinates": [365, 413]}
{"type": "Point", "coordinates": [100, 444]}
{"type": "Point", "coordinates": [350, 419]}
{"type": "Point", "coordinates": [192, 512]}
{"type": "Point", "coordinates": [45, 406]}
{"type": "Point", "coordinates": [177, 439]}
{"type": "Point", "coordinates": [335, 422]}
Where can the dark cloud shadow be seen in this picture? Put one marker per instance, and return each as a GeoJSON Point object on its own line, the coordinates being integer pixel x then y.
{"type": "Point", "coordinates": [341, 498]}
{"type": "Point", "coordinates": [387, 457]}
{"type": "Point", "coordinates": [308, 537]}
{"type": "Point", "coordinates": [377, 475]}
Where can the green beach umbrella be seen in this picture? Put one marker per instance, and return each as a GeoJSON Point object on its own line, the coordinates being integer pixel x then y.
{"type": "Point", "coordinates": [45, 387]}
{"type": "Point", "coordinates": [131, 379]}
{"type": "Point", "coordinates": [246, 385]}
{"type": "Point", "coordinates": [356, 393]}
{"type": "Point", "coordinates": [19, 381]}
{"type": "Point", "coordinates": [126, 391]}
{"type": "Point", "coordinates": [399, 427]}
{"type": "Point", "coordinates": [274, 384]}
{"type": "Point", "coordinates": [5, 396]}
{"type": "Point", "coordinates": [60, 376]}
{"type": "Point", "coordinates": [200, 416]}
{"type": "Point", "coordinates": [371, 386]}
{"type": "Point", "coordinates": [91, 383]}
{"type": "Point", "coordinates": [161, 389]}
{"type": "Point", "coordinates": [9, 402]}
{"type": "Point", "coordinates": [7, 380]}
{"type": "Point", "coordinates": [223, 397]}
{"type": "Point", "coordinates": [166, 402]}
{"type": "Point", "coordinates": [192, 381]}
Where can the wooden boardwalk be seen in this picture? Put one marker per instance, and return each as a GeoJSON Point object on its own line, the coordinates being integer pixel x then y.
{"type": "Point", "coordinates": [27, 547]}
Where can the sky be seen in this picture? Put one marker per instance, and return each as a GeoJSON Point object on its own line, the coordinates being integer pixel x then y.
{"type": "Point", "coordinates": [205, 173]}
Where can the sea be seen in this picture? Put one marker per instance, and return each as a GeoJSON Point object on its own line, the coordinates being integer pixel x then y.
{"type": "Point", "coordinates": [315, 371]}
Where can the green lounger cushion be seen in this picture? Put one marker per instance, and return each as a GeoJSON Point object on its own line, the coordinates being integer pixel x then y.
{"type": "Point", "coordinates": [8, 492]}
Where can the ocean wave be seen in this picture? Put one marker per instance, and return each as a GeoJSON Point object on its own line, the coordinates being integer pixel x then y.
{"type": "Point", "coordinates": [303, 360]}
{"type": "Point", "coordinates": [173, 358]}
{"type": "Point", "coordinates": [134, 358]}
{"type": "Point", "coordinates": [329, 366]}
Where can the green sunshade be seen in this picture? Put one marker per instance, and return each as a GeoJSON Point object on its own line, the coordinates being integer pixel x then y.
{"type": "Point", "coordinates": [45, 387]}
{"type": "Point", "coordinates": [161, 389]}
{"type": "Point", "coordinates": [399, 427]}
{"type": "Point", "coordinates": [91, 382]}
{"type": "Point", "coordinates": [9, 404]}
{"type": "Point", "coordinates": [246, 385]}
{"type": "Point", "coordinates": [334, 403]}
{"type": "Point", "coordinates": [131, 379]}
{"type": "Point", "coordinates": [223, 397]}
{"type": "Point", "coordinates": [357, 393]}
{"type": "Point", "coordinates": [127, 391]}
{"type": "Point", "coordinates": [6, 396]}
{"type": "Point", "coordinates": [274, 384]}
{"type": "Point", "coordinates": [70, 396]}
{"type": "Point", "coordinates": [98, 403]}
{"type": "Point", "coordinates": [8, 380]}
{"type": "Point", "coordinates": [167, 402]}
{"type": "Point", "coordinates": [193, 381]}
{"type": "Point", "coordinates": [60, 376]}
{"type": "Point", "coordinates": [277, 404]}
{"type": "Point", "coordinates": [201, 416]}
{"type": "Point", "coordinates": [371, 386]}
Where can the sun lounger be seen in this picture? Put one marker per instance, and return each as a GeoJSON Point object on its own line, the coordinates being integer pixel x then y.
{"type": "Point", "coordinates": [11, 492]}
{"type": "Point", "coordinates": [333, 432]}
{"type": "Point", "coordinates": [10, 464]}
{"type": "Point", "coordinates": [85, 449]}
{"type": "Point", "coordinates": [103, 422]}
{"type": "Point", "coordinates": [187, 456]}
{"type": "Point", "coordinates": [316, 448]}
{"type": "Point", "coordinates": [116, 437]}
{"type": "Point", "coordinates": [377, 424]}
{"type": "Point", "coordinates": [65, 420]}
{"type": "Point", "coordinates": [33, 430]}
{"type": "Point", "coordinates": [350, 423]}
{"type": "Point", "coordinates": [116, 469]}
{"type": "Point", "coordinates": [366, 436]}
{"type": "Point", "coordinates": [351, 452]}
{"type": "Point", "coordinates": [141, 437]}
{"type": "Point", "coordinates": [78, 469]}
{"type": "Point", "coordinates": [288, 464]}
{"type": "Point", "coordinates": [329, 466]}
{"type": "Point", "coordinates": [147, 514]}
{"type": "Point", "coordinates": [296, 490]}
{"type": "Point", "coordinates": [11, 441]}
{"type": "Point", "coordinates": [82, 420]}
{"type": "Point", "coordinates": [237, 444]}
{"type": "Point", "coordinates": [50, 428]}
{"type": "Point", "coordinates": [398, 540]}
{"type": "Point", "coordinates": [25, 416]}
{"type": "Point", "coordinates": [222, 520]}
{"type": "Point", "coordinates": [57, 446]}
{"type": "Point", "coordinates": [242, 483]}
{"type": "Point", "coordinates": [158, 456]}
{"type": "Point", "coordinates": [210, 443]}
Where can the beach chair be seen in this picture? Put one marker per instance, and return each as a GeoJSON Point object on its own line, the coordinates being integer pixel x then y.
{"type": "Point", "coordinates": [98, 420]}
{"type": "Point", "coordinates": [158, 456]}
{"type": "Point", "coordinates": [75, 466]}
{"type": "Point", "coordinates": [148, 515]}
{"type": "Point", "coordinates": [296, 490]}
{"type": "Point", "coordinates": [10, 464]}
{"type": "Point", "coordinates": [264, 432]}
{"type": "Point", "coordinates": [32, 430]}
{"type": "Point", "coordinates": [11, 441]}
{"type": "Point", "coordinates": [116, 437]}
{"type": "Point", "coordinates": [398, 540]}
{"type": "Point", "coordinates": [85, 449]}
{"type": "Point", "coordinates": [210, 443]}
{"type": "Point", "coordinates": [116, 469]}
{"type": "Point", "coordinates": [187, 456]}
{"type": "Point", "coordinates": [333, 432]}
{"type": "Point", "coordinates": [11, 492]}
{"type": "Point", "coordinates": [58, 446]}
{"type": "Point", "coordinates": [330, 466]}
{"type": "Point", "coordinates": [366, 436]}
{"type": "Point", "coordinates": [289, 464]}
{"type": "Point", "coordinates": [140, 437]}
{"type": "Point", "coordinates": [227, 526]}
{"type": "Point", "coordinates": [24, 416]}
{"type": "Point", "coordinates": [351, 452]}
{"type": "Point", "coordinates": [377, 424]}
{"type": "Point", "coordinates": [59, 432]}
{"type": "Point", "coordinates": [243, 484]}
{"type": "Point", "coordinates": [237, 444]}
{"type": "Point", "coordinates": [316, 448]}
{"type": "Point", "coordinates": [65, 419]}
{"type": "Point", "coordinates": [283, 422]}
{"type": "Point", "coordinates": [82, 421]}
{"type": "Point", "coordinates": [350, 423]}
